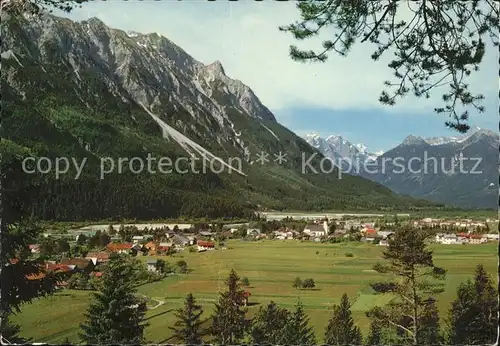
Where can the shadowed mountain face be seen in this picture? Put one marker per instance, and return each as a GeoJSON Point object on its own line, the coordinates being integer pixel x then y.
{"type": "Point", "coordinates": [461, 171]}
{"type": "Point", "coordinates": [84, 91]}
{"type": "Point", "coordinates": [427, 168]}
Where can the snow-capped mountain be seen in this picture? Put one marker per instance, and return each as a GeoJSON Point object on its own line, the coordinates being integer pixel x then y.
{"type": "Point", "coordinates": [450, 139]}
{"type": "Point", "coordinates": [439, 180]}
{"type": "Point", "coordinates": [343, 153]}
{"type": "Point", "coordinates": [411, 140]}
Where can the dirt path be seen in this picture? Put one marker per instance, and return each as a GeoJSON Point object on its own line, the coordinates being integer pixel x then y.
{"type": "Point", "coordinates": [160, 302]}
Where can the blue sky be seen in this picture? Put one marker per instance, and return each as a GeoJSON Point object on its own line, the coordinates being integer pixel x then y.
{"type": "Point", "coordinates": [337, 97]}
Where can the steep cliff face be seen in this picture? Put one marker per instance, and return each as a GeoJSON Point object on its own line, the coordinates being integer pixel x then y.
{"type": "Point", "coordinates": [147, 69]}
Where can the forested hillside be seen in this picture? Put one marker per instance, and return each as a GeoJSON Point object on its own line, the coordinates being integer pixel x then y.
{"type": "Point", "coordinates": [85, 91]}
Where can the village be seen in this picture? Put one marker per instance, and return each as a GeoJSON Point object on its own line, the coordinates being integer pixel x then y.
{"type": "Point", "coordinates": [158, 240]}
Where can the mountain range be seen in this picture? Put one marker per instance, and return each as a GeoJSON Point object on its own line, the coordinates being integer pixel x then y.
{"type": "Point", "coordinates": [341, 151]}
{"type": "Point", "coordinates": [84, 91]}
{"type": "Point", "coordinates": [429, 168]}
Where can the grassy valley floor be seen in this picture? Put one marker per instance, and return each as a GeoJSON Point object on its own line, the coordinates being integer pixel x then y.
{"type": "Point", "coordinates": [271, 266]}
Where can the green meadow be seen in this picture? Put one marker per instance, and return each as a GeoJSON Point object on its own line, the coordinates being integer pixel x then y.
{"type": "Point", "coordinates": [271, 266]}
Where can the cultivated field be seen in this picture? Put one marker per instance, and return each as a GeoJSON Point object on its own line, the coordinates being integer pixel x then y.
{"type": "Point", "coordinates": [271, 267]}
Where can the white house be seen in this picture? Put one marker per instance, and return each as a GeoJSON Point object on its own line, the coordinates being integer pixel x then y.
{"type": "Point", "coordinates": [253, 231]}
{"type": "Point", "coordinates": [283, 235]}
{"type": "Point", "coordinates": [205, 245]}
{"type": "Point", "coordinates": [385, 234]}
{"type": "Point", "coordinates": [448, 239]}
{"type": "Point", "coordinates": [477, 240]}
{"type": "Point", "coordinates": [137, 239]}
{"type": "Point", "coordinates": [180, 241]}
{"type": "Point", "coordinates": [151, 265]}
{"type": "Point", "coordinates": [491, 236]}
{"type": "Point", "coordinates": [313, 230]}
{"type": "Point", "coordinates": [191, 239]}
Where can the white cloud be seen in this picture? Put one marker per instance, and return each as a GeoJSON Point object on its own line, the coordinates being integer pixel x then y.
{"type": "Point", "coordinates": [246, 39]}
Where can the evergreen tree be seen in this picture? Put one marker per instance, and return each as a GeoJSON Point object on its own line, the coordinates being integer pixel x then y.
{"type": "Point", "coordinates": [229, 322]}
{"type": "Point", "coordinates": [473, 316]}
{"type": "Point", "coordinates": [332, 228]}
{"type": "Point", "coordinates": [111, 230]}
{"type": "Point", "coordinates": [38, 6]}
{"type": "Point", "coordinates": [62, 246]}
{"type": "Point", "coordinates": [22, 275]}
{"type": "Point", "coordinates": [188, 328]}
{"type": "Point", "coordinates": [161, 266]}
{"type": "Point", "coordinates": [10, 331]}
{"type": "Point", "coordinates": [104, 239]}
{"type": "Point", "coordinates": [297, 283]}
{"type": "Point", "coordinates": [451, 39]}
{"type": "Point", "coordinates": [412, 262]}
{"type": "Point", "coordinates": [115, 315]}
{"type": "Point", "coordinates": [245, 282]}
{"type": "Point", "coordinates": [341, 329]}
{"type": "Point", "coordinates": [268, 325]}
{"type": "Point", "coordinates": [429, 329]}
{"type": "Point", "coordinates": [298, 331]}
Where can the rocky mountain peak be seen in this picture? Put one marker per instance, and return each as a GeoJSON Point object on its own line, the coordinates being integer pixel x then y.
{"type": "Point", "coordinates": [413, 140]}
{"type": "Point", "coordinates": [216, 67]}
{"type": "Point", "coordinates": [483, 135]}
{"type": "Point", "coordinates": [96, 23]}
{"type": "Point", "coordinates": [338, 149]}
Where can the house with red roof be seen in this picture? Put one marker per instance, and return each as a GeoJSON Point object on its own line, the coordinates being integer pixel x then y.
{"type": "Point", "coordinates": [125, 248]}
{"type": "Point", "coordinates": [472, 238]}
{"type": "Point", "coordinates": [66, 270]}
{"type": "Point", "coordinates": [96, 274]}
{"type": "Point", "coordinates": [80, 264]}
{"type": "Point", "coordinates": [369, 234]}
{"type": "Point", "coordinates": [59, 268]}
{"type": "Point", "coordinates": [205, 245]}
{"type": "Point", "coordinates": [48, 268]}
{"type": "Point", "coordinates": [163, 249]}
{"type": "Point", "coordinates": [34, 248]}
{"type": "Point", "coordinates": [35, 276]}
{"type": "Point", "coordinates": [98, 257]}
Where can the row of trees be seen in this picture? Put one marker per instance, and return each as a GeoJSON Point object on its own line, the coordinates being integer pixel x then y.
{"type": "Point", "coordinates": [50, 247]}
{"type": "Point", "coordinates": [298, 283]}
{"type": "Point", "coordinates": [117, 315]}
